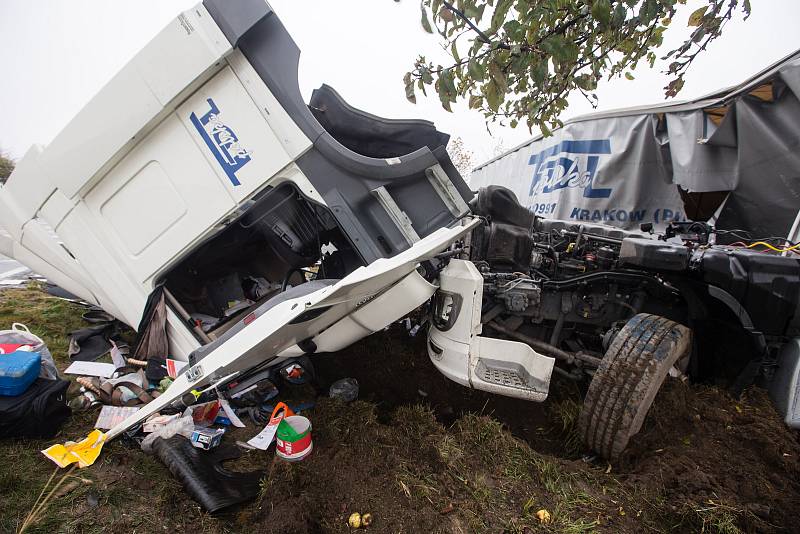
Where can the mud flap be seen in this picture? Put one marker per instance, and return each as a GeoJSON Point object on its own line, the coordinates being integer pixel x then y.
{"type": "Point", "coordinates": [202, 475]}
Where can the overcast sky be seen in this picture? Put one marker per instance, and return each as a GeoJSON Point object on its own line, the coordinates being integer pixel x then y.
{"type": "Point", "coordinates": [58, 54]}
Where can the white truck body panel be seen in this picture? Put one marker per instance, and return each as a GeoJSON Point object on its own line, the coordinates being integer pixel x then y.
{"type": "Point", "coordinates": [276, 331]}
{"type": "Point", "coordinates": [461, 354]}
{"type": "Point", "coordinates": [170, 151]}
{"type": "Point", "coordinates": [136, 193]}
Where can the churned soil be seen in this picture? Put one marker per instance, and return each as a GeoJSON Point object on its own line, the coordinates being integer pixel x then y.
{"type": "Point", "coordinates": [422, 454]}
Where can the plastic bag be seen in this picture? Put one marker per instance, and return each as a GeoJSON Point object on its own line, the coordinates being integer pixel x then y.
{"type": "Point", "coordinates": [21, 335]}
{"type": "Point", "coordinates": [183, 426]}
{"type": "Point", "coordinates": [345, 389]}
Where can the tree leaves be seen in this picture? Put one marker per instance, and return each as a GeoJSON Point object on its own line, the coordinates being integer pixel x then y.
{"type": "Point", "coordinates": [563, 50]}
{"type": "Point", "coordinates": [601, 11]}
{"type": "Point", "coordinates": [520, 60]}
{"type": "Point", "coordinates": [674, 86]}
{"type": "Point", "coordinates": [408, 80]}
{"type": "Point", "coordinates": [493, 96]}
{"type": "Point", "coordinates": [498, 76]}
{"type": "Point", "coordinates": [696, 18]}
{"type": "Point", "coordinates": [499, 15]}
{"type": "Point", "coordinates": [447, 88]}
{"type": "Point", "coordinates": [426, 24]}
{"type": "Point", "coordinates": [476, 70]}
{"type": "Point", "coordinates": [446, 15]}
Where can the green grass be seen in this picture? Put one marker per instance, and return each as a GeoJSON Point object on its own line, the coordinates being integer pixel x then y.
{"type": "Point", "coordinates": [48, 317]}
{"type": "Point", "coordinates": [566, 412]}
{"type": "Point", "coordinates": [713, 517]}
{"type": "Point", "coordinates": [51, 319]}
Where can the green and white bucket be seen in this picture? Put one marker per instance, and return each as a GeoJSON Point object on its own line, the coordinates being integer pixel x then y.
{"type": "Point", "coordinates": [293, 439]}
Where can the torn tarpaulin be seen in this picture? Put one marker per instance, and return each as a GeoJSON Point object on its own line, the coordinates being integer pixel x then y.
{"type": "Point", "coordinates": [152, 338]}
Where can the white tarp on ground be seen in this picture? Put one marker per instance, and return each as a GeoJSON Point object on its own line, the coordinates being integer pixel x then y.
{"type": "Point", "coordinates": [734, 153]}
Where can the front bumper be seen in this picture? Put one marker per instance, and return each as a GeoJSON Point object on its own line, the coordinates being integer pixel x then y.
{"type": "Point", "coordinates": [459, 352]}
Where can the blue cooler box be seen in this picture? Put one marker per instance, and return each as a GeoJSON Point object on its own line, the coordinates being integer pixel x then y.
{"type": "Point", "coordinates": [18, 370]}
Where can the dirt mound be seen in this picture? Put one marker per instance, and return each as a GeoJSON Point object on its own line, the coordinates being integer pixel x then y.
{"type": "Point", "coordinates": [394, 370]}
{"type": "Point", "coordinates": [717, 459]}
{"type": "Point", "coordinates": [702, 461]}
{"type": "Point", "coordinates": [414, 475]}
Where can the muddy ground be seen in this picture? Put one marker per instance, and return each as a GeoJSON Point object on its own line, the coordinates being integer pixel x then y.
{"type": "Point", "coordinates": [422, 454]}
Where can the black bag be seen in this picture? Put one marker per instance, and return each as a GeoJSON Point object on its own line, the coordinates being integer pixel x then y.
{"type": "Point", "coordinates": [37, 413]}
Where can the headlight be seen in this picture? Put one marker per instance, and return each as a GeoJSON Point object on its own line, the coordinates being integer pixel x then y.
{"type": "Point", "coordinates": [446, 307]}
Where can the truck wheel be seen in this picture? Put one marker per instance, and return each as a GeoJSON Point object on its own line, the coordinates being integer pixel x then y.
{"type": "Point", "coordinates": [625, 384]}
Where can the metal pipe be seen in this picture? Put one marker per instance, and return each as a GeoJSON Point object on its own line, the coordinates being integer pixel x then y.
{"type": "Point", "coordinates": [547, 348]}
{"type": "Point", "coordinates": [566, 374]}
{"type": "Point", "coordinates": [181, 311]}
{"type": "Point", "coordinates": [557, 330]}
{"type": "Point", "coordinates": [594, 237]}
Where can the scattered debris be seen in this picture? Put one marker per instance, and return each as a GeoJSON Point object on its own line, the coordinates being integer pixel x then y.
{"type": "Point", "coordinates": [183, 426]}
{"type": "Point", "coordinates": [345, 389]}
{"type": "Point", "coordinates": [354, 521]}
{"type": "Point", "coordinates": [84, 453]}
{"type": "Point", "coordinates": [18, 371]}
{"type": "Point", "coordinates": [207, 438]}
{"type": "Point", "coordinates": [111, 416]}
{"type": "Point", "coordinates": [543, 516]}
{"type": "Point", "coordinates": [20, 338]}
{"type": "Point", "coordinates": [98, 369]}
{"type": "Point", "coordinates": [293, 438]}
{"type": "Point", "coordinates": [91, 343]}
{"type": "Point", "coordinates": [32, 397]}
{"type": "Point", "coordinates": [157, 421]}
{"type": "Point", "coordinates": [203, 475]}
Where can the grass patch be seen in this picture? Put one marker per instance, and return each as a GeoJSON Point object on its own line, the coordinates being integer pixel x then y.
{"type": "Point", "coordinates": [714, 517]}
{"type": "Point", "coordinates": [566, 412]}
{"type": "Point", "coordinates": [50, 318]}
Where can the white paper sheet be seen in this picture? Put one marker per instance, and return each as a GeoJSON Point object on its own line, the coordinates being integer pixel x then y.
{"type": "Point", "coordinates": [111, 416]}
{"type": "Point", "coordinates": [103, 370]}
{"type": "Point", "coordinates": [116, 356]}
{"type": "Point", "coordinates": [263, 439]}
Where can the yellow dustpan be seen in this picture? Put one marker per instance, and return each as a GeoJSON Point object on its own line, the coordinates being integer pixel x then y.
{"type": "Point", "coordinates": [84, 452]}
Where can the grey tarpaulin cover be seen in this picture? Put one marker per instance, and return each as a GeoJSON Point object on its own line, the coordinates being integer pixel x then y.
{"type": "Point", "coordinates": [731, 156]}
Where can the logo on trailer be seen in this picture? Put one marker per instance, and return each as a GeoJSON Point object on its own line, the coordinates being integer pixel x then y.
{"type": "Point", "coordinates": [222, 141]}
{"type": "Point", "coordinates": [569, 164]}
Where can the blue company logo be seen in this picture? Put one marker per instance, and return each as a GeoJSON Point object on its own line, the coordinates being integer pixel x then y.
{"type": "Point", "coordinates": [569, 164]}
{"type": "Point", "coordinates": [222, 142]}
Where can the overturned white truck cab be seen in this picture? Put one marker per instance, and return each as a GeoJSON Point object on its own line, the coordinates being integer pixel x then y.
{"type": "Point", "coordinates": [199, 168]}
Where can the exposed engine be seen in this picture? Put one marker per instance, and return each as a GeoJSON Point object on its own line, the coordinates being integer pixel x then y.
{"type": "Point", "coordinates": [573, 285]}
